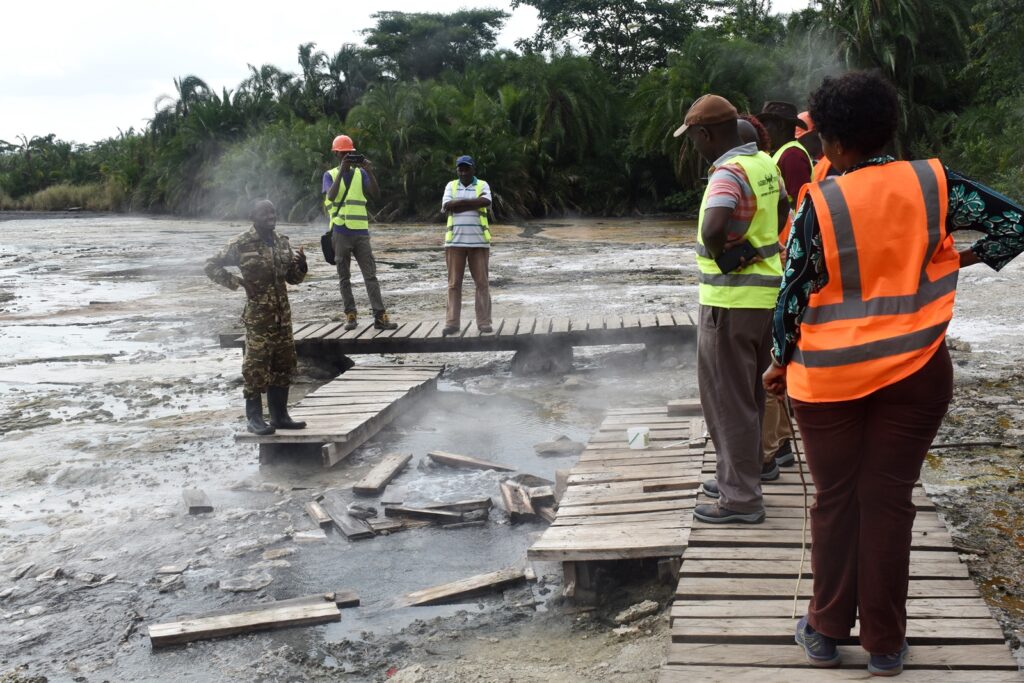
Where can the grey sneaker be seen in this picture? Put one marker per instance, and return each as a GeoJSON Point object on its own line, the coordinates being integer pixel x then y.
{"type": "Point", "coordinates": [770, 470]}
{"type": "Point", "coordinates": [716, 514]}
{"type": "Point", "coordinates": [821, 650]}
{"type": "Point", "coordinates": [888, 665]}
{"type": "Point", "coordinates": [710, 488]}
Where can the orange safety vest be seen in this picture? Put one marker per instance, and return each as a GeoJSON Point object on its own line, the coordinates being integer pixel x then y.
{"type": "Point", "coordinates": [818, 173]}
{"type": "Point", "coordinates": [892, 273]}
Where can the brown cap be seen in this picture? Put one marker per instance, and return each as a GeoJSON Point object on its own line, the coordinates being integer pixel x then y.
{"type": "Point", "coordinates": [780, 111]}
{"type": "Point", "coordinates": [707, 110]}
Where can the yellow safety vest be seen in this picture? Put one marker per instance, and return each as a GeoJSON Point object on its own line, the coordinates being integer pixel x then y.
{"type": "Point", "coordinates": [450, 234]}
{"type": "Point", "coordinates": [757, 285]}
{"type": "Point", "coordinates": [793, 191]}
{"type": "Point", "coordinates": [352, 212]}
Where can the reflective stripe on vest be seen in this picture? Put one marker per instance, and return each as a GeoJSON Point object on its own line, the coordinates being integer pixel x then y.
{"type": "Point", "coordinates": [452, 193]}
{"type": "Point", "coordinates": [892, 281]}
{"type": "Point", "coordinates": [794, 200]}
{"type": "Point", "coordinates": [352, 213]}
{"type": "Point", "coordinates": [757, 285]}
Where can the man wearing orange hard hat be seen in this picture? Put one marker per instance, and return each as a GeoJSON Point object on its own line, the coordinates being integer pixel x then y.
{"type": "Point", "coordinates": [345, 189]}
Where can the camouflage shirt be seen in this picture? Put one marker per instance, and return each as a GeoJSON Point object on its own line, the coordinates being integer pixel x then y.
{"type": "Point", "coordinates": [266, 268]}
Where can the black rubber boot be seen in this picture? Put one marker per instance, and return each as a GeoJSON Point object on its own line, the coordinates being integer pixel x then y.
{"type": "Point", "coordinates": [254, 413]}
{"type": "Point", "coordinates": [277, 401]}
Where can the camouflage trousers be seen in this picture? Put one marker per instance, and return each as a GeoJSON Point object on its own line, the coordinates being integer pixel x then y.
{"type": "Point", "coordinates": [269, 359]}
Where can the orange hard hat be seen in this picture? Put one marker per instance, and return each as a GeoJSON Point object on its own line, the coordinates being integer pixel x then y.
{"type": "Point", "coordinates": [806, 118]}
{"type": "Point", "coordinates": [342, 143]}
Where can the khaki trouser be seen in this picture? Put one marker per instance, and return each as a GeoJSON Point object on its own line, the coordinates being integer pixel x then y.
{"type": "Point", "coordinates": [347, 245]}
{"type": "Point", "coordinates": [478, 259]}
{"type": "Point", "coordinates": [733, 346]}
{"type": "Point", "coordinates": [775, 429]}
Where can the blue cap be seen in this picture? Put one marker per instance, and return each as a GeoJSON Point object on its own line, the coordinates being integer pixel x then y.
{"type": "Point", "coordinates": [464, 159]}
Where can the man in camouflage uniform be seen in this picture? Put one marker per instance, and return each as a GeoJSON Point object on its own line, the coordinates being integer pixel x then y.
{"type": "Point", "coordinates": [266, 262]}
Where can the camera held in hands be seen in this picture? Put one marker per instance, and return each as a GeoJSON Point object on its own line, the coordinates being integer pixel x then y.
{"type": "Point", "coordinates": [355, 159]}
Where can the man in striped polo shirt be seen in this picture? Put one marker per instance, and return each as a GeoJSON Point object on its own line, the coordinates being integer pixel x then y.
{"type": "Point", "coordinates": [467, 241]}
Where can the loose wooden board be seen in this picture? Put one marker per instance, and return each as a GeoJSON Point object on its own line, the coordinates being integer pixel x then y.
{"type": "Point", "coordinates": [467, 462]}
{"type": "Point", "coordinates": [382, 474]}
{"type": "Point", "coordinates": [174, 633]}
{"type": "Point", "coordinates": [464, 588]}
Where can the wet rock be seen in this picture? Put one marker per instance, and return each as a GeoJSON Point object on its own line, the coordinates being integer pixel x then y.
{"type": "Point", "coordinates": [955, 344]}
{"type": "Point", "coordinates": [415, 673]}
{"type": "Point", "coordinates": [996, 399]}
{"type": "Point", "coordinates": [574, 383]}
{"type": "Point", "coordinates": [562, 445]}
{"type": "Point", "coordinates": [270, 564]}
{"type": "Point", "coordinates": [361, 511]}
{"type": "Point", "coordinates": [172, 569]}
{"type": "Point", "coordinates": [637, 611]}
{"type": "Point", "coordinates": [310, 536]}
{"type": "Point", "coordinates": [21, 570]}
{"type": "Point", "coordinates": [246, 583]}
{"type": "Point", "coordinates": [278, 553]}
{"type": "Point", "coordinates": [7, 592]}
{"type": "Point", "coordinates": [50, 575]}
{"type": "Point", "coordinates": [170, 583]}
{"type": "Point", "coordinates": [86, 577]}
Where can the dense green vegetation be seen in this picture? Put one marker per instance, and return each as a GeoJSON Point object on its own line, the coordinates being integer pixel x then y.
{"type": "Point", "coordinates": [555, 129]}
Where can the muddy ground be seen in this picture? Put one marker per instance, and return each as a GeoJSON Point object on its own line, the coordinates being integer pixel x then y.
{"type": "Point", "coordinates": [115, 396]}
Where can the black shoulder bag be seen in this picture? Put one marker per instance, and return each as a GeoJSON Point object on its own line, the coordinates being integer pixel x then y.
{"type": "Point", "coordinates": [327, 239]}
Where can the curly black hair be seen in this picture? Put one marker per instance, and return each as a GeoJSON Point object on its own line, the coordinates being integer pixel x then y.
{"type": "Point", "coordinates": [858, 109]}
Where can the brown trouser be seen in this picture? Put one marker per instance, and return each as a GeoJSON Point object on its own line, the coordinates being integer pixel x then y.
{"type": "Point", "coordinates": [478, 259]}
{"type": "Point", "coordinates": [865, 456]}
{"type": "Point", "coordinates": [733, 346]}
{"type": "Point", "coordinates": [775, 429]}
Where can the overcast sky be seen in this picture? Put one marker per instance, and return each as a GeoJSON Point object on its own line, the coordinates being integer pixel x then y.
{"type": "Point", "coordinates": [83, 70]}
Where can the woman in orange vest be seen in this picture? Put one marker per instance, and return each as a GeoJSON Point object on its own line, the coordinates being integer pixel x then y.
{"type": "Point", "coordinates": [859, 343]}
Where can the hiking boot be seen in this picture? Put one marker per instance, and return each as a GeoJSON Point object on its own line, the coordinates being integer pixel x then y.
{"type": "Point", "coordinates": [277, 401]}
{"type": "Point", "coordinates": [450, 330]}
{"type": "Point", "coordinates": [350, 321]}
{"type": "Point", "coordinates": [710, 488]}
{"type": "Point", "coordinates": [254, 414]}
{"type": "Point", "coordinates": [784, 456]}
{"type": "Point", "coordinates": [770, 470]}
{"type": "Point", "coordinates": [821, 651]}
{"type": "Point", "coordinates": [715, 514]}
{"type": "Point", "coordinates": [381, 322]}
{"type": "Point", "coordinates": [485, 329]}
{"type": "Point", "coordinates": [888, 665]}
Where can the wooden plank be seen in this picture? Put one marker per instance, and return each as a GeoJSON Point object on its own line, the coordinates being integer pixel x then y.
{"type": "Point", "coordinates": [439, 516]}
{"type": "Point", "coordinates": [469, 505]}
{"type": "Point", "coordinates": [648, 320]}
{"type": "Point", "coordinates": [355, 333]}
{"type": "Point", "coordinates": [464, 588]}
{"type": "Point", "coordinates": [775, 569]}
{"type": "Point", "coordinates": [465, 461]}
{"type": "Point", "coordinates": [689, 407]}
{"type": "Point", "coordinates": [353, 529]}
{"type": "Point", "coordinates": [382, 474]}
{"type": "Point", "coordinates": [425, 330]}
{"type": "Point", "coordinates": [559, 325]}
{"type": "Point", "coordinates": [189, 630]}
{"type": "Point", "coordinates": [653, 543]}
{"type": "Point", "coordinates": [920, 657]}
{"type": "Point", "coordinates": [526, 326]}
{"type": "Point", "coordinates": [734, 589]}
{"type": "Point", "coordinates": [196, 501]}
{"type": "Point", "coordinates": [780, 631]}
{"type": "Point", "coordinates": [516, 501]}
{"type": "Point", "coordinates": [595, 323]}
{"type": "Point", "coordinates": [317, 513]}
{"type": "Point", "coordinates": [782, 607]}
{"type": "Point", "coordinates": [759, 554]}
{"type": "Point", "coordinates": [626, 508]}
{"type": "Point", "coordinates": [676, 484]}
{"type": "Point", "coordinates": [542, 327]}
{"type": "Point", "coordinates": [676, 673]}
{"type": "Point", "coordinates": [572, 498]}
{"type": "Point", "coordinates": [406, 329]}
{"type": "Point", "coordinates": [509, 328]}
{"type": "Point", "coordinates": [668, 519]}
{"type": "Point", "coordinates": [665, 320]}
{"type": "Point", "coordinates": [312, 330]}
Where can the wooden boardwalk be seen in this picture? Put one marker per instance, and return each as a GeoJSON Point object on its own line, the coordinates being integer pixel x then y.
{"type": "Point", "coordinates": [509, 334]}
{"type": "Point", "coordinates": [627, 504]}
{"type": "Point", "coordinates": [344, 413]}
{"type": "Point", "coordinates": [732, 617]}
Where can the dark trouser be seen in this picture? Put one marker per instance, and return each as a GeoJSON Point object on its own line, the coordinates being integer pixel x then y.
{"type": "Point", "coordinates": [347, 245]}
{"type": "Point", "coordinates": [865, 456]}
{"type": "Point", "coordinates": [269, 358]}
{"type": "Point", "coordinates": [478, 258]}
{"type": "Point", "coordinates": [733, 346]}
{"type": "Point", "coordinates": [775, 427]}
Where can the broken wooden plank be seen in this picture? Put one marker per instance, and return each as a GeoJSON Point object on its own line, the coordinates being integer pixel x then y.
{"type": "Point", "coordinates": [470, 505]}
{"type": "Point", "coordinates": [439, 516]}
{"type": "Point", "coordinates": [353, 529]}
{"type": "Point", "coordinates": [260, 619]}
{"type": "Point", "coordinates": [516, 500]}
{"type": "Point", "coordinates": [685, 407]}
{"type": "Point", "coordinates": [196, 501]}
{"type": "Point", "coordinates": [317, 513]}
{"type": "Point", "coordinates": [546, 512]}
{"type": "Point", "coordinates": [561, 483]}
{"type": "Point", "coordinates": [465, 461]}
{"type": "Point", "coordinates": [382, 474]}
{"type": "Point", "coordinates": [464, 588]}
{"type": "Point", "coordinates": [676, 484]}
{"type": "Point", "coordinates": [394, 495]}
